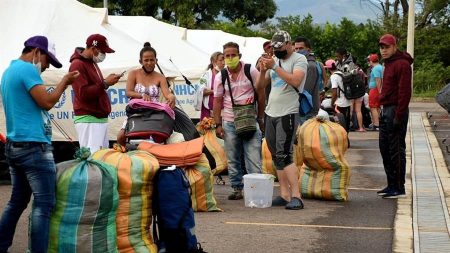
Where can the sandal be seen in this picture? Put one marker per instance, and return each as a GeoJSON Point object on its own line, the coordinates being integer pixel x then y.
{"type": "Point", "coordinates": [279, 201]}
{"type": "Point", "coordinates": [295, 204]}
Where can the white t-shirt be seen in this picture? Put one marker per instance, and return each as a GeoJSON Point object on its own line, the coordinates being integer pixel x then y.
{"type": "Point", "coordinates": [336, 83]}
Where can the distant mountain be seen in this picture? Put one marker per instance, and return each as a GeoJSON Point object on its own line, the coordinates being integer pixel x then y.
{"type": "Point", "coordinates": [328, 10]}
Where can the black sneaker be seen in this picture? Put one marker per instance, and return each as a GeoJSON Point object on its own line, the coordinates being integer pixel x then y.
{"type": "Point", "coordinates": [236, 195]}
{"type": "Point", "coordinates": [383, 192]}
{"type": "Point", "coordinates": [394, 194]}
{"type": "Point", "coordinates": [373, 128]}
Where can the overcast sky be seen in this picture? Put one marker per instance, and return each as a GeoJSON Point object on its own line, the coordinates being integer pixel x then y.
{"type": "Point", "coordinates": [328, 10]}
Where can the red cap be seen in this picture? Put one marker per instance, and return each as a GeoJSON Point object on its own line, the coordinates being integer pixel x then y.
{"type": "Point", "coordinates": [99, 41]}
{"type": "Point", "coordinates": [373, 58]}
{"type": "Point", "coordinates": [388, 39]}
{"type": "Point", "coordinates": [266, 45]}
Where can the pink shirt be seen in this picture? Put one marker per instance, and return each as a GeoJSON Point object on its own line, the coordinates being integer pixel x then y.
{"type": "Point", "coordinates": [243, 92]}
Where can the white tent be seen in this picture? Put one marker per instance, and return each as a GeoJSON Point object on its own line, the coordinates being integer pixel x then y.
{"type": "Point", "coordinates": [168, 40]}
{"type": "Point", "coordinates": [213, 40]}
{"type": "Point", "coordinates": [68, 23]}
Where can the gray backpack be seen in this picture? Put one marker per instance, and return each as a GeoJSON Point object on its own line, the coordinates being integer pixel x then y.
{"type": "Point", "coordinates": [443, 97]}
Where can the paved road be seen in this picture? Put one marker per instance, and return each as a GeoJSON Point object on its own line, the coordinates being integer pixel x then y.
{"type": "Point", "coordinates": [363, 224]}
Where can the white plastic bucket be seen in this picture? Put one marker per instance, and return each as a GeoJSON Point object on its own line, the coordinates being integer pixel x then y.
{"type": "Point", "coordinates": [258, 190]}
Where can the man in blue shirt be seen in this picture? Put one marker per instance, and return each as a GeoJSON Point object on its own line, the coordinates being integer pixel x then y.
{"type": "Point", "coordinates": [28, 148]}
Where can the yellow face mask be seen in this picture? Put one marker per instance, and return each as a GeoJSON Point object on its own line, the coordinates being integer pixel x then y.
{"type": "Point", "coordinates": [233, 62]}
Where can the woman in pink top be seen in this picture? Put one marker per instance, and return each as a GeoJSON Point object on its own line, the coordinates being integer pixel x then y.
{"type": "Point", "coordinates": [147, 84]}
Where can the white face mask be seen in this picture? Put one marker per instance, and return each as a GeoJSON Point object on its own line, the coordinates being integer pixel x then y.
{"type": "Point", "coordinates": [38, 65]}
{"type": "Point", "coordinates": [99, 58]}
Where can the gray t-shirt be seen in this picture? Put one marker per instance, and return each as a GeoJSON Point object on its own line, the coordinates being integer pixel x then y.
{"type": "Point", "coordinates": [283, 98]}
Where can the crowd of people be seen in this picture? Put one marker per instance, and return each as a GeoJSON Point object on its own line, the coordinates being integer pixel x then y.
{"type": "Point", "coordinates": [231, 90]}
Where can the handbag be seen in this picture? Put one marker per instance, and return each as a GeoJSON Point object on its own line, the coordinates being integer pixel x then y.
{"type": "Point", "coordinates": [145, 122]}
{"type": "Point", "coordinates": [244, 116]}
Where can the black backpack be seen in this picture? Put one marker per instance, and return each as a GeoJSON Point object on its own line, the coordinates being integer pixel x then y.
{"type": "Point", "coordinates": [354, 86]}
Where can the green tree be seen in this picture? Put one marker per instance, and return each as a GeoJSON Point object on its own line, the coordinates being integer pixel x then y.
{"type": "Point", "coordinates": [193, 13]}
{"type": "Point", "coordinates": [252, 11]}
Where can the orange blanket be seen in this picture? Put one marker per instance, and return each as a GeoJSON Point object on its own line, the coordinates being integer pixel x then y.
{"type": "Point", "coordinates": [179, 154]}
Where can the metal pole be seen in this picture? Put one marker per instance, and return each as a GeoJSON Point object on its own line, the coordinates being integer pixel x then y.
{"type": "Point", "coordinates": [411, 26]}
{"type": "Point", "coordinates": [105, 5]}
{"type": "Point", "coordinates": [410, 39]}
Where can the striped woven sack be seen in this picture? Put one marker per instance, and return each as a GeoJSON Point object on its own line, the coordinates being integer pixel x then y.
{"type": "Point", "coordinates": [84, 218]}
{"type": "Point", "coordinates": [325, 173]}
{"type": "Point", "coordinates": [216, 147]}
{"type": "Point", "coordinates": [135, 172]}
{"type": "Point", "coordinates": [267, 163]}
{"type": "Point", "coordinates": [201, 181]}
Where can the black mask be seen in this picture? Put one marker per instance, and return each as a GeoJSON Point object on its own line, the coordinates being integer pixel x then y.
{"type": "Point", "coordinates": [280, 54]}
{"type": "Point", "coordinates": [146, 71]}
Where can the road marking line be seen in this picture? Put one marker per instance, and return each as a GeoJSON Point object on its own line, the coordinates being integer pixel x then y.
{"type": "Point", "coordinates": [363, 189]}
{"type": "Point", "coordinates": [367, 165]}
{"type": "Point", "coordinates": [304, 225]}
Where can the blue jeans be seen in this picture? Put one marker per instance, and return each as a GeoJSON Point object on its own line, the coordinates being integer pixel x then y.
{"type": "Point", "coordinates": [234, 147]}
{"type": "Point", "coordinates": [33, 171]}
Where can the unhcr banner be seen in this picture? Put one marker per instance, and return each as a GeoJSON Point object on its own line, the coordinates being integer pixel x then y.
{"type": "Point", "coordinates": [62, 113]}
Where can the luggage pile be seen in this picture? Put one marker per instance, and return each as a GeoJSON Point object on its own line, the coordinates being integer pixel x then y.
{"type": "Point", "coordinates": [109, 201]}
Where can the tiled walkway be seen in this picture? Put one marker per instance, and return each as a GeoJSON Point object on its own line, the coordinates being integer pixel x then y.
{"type": "Point", "coordinates": [431, 222]}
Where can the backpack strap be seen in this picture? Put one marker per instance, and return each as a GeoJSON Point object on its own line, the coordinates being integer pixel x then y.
{"type": "Point", "coordinates": [226, 79]}
{"type": "Point", "coordinates": [342, 77]}
{"type": "Point", "coordinates": [247, 73]}
{"type": "Point", "coordinates": [319, 74]}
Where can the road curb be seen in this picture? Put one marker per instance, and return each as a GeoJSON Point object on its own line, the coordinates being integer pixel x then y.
{"type": "Point", "coordinates": [403, 230]}
{"type": "Point", "coordinates": [441, 166]}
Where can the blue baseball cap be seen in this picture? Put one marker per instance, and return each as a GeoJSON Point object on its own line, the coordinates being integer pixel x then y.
{"type": "Point", "coordinates": [46, 47]}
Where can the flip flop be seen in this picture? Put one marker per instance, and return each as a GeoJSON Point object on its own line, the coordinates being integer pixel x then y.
{"type": "Point", "coordinates": [279, 201]}
{"type": "Point", "coordinates": [295, 204]}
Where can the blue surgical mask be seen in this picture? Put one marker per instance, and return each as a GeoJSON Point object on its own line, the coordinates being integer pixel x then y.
{"type": "Point", "coordinates": [303, 52]}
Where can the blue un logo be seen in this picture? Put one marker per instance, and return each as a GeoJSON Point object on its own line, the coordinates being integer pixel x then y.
{"type": "Point", "coordinates": [61, 101]}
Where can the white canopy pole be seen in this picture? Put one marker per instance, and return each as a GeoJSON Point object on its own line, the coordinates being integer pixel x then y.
{"type": "Point", "coordinates": [411, 26]}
